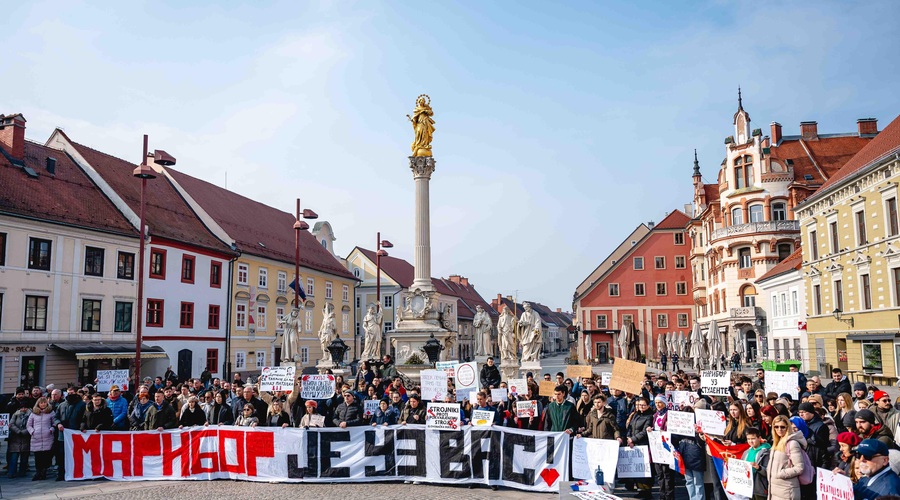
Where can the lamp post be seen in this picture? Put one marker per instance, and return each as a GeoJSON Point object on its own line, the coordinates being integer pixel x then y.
{"type": "Point", "coordinates": [300, 225]}
{"type": "Point", "coordinates": [379, 253]}
{"type": "Point", "coordinates": [337, 348]}
{"type": "Point", "coordinates": [432, 349]}
{"type": "Point", "coordinates": [838, 316]}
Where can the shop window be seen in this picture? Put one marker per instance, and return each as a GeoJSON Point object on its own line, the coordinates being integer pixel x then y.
{"type": "Point", "coordinates": [871, 354]}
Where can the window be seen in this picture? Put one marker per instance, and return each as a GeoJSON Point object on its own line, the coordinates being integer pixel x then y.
{"type": "Point", "coordinates": [93, 261]}
{"type": "Point", "coordinates": [260, 359]}
{"type": "Point", "coordinates": [310, 287]}
{"type": "Point", "coordinates": [345, 293]}
{"type": "Point", "coordinates": [261, 317]}
{"type": "Point", "coordinates": [613, 289]}
{"type": "Point", "coordinates": [90, 315]}
{"type": "Point", "coordinates": [660, 289]}
{"type": "Point", "coordinates": [240, 316]}
{"type": "Point", "coordinates": [743, 172]}
{"type": "Point", "coordinates": [1, 308]}
{"type": "Point", "coordinates": [357, 302]}
{"type": "Point", "coordinates": [891, 209]}
{"type": "Point", "coordinates": [155, 309]}
{"type": "Point", "coordinates": [639, 289]}
{"type": "Point", "coordinates": [345, 322]}
{"type": "Point", "coordinates": [243, 274]}
{"type": "Point", "coordinates": [125, 266]}
{"type": "Point", "coordinates": [775, 306]}
{"type": "Point", "coordinates": [779, 211]}
{"type": "Point", "coordinates": [756, 213]}
{"type": "Point", "coordinates": [35, 313]}
{"type": "Point", "coordinates": [681, 288]}
{"type": "Point", "coordinates": [263, 278]}
{"type": "Point", "coordinates": [2, 249]}
{"type": "Point", "coordinates": [123, 317]}
{"type": "Point", "coordinates": [627, 318]}
{"type": "Point", "coordinates": [157, 263]}
{"type": "Point", "coordinates": [308, 320]}
{"type": "Point", "coordinates": [328, 290]}
{"type": "Point", "coordinates": [662, 320]}
{"type": "Point", "coordinates": [744, 258]}
{"type": "Point", "coordinates": [813, 245]}
{"type": "Point", "coordinates": [784, 251]}
{"type": "Point", "coordinates": [748, 296]}
{"type": "Point", "coordinates": [213, 320]}
{"type": "Point", "coordinates": [212, 360]}
{"type": "Point", "coordinates": [860, 227]}
{"type": "Point", "coordinates": [659, 262]}
{"type": "Point", "coordinates": [817, 299]}
{"type": "Point", "coordinates": [282, 282]}
{"type": "Point", "coordinates": [835, 241]}
{"type": "Point", "coordinates": [739, 177]}
{"type": "Point", "coordinates": [871, 353]}
{"type": "Point", "coordinates": [702, 271]}
{"type": "Point", "coordinates": [838, 295]}
{"type": "Point", "coordinates": [39, 253]}
{"type": "Point", "coordinates": [187, 315]}
{"type": "Point", "coordinates": [388, 301]}
{"type": "Point", "coordinates": [304, 355]}
{"type": "Point", "coordinates": [682, 320]}
{"type": "Point", "coordinates": [240, 360]}
{"type": "Point", "coordinates": [794, 300]}
{"type": "Point", "coordinates": [638, 263]}
{"type": "Point", "coordinates": [279, 314]}
{"type": "Point", "coordinates": [679, 238]}
{"type": "Point", "coordinates": [866, 291]}
{"type": "Point", "coordinates": [601, 321]}
{"type": "Point", "coordinates": [187, 268]}
{"type": "Point", "coordinates": [680, 262]}
{"type": "Point", "coordinates": [388, 326]}
{"type": "Point", "coordinates": [215, 275]}
{"type": "Point", "coordinates": [895, 273]}
{"type": "Point", "coordinates": [737, 216]}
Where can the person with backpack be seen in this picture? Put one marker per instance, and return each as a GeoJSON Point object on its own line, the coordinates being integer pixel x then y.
{"type": "Point", "coordinates": [758, 456]}
{"type": "Point", "coordinates": [788, 461]}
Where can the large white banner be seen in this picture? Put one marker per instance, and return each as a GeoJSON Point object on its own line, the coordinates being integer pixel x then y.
{"type": "Point", "coordinates": [515, 458]}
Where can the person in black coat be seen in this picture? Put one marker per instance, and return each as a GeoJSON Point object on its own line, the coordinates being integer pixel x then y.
{"type": "Point", "coordinates": [819, 440]}
{"type": "Point", "coordinates": [277, 417]}
{"type": "Point", "coordinates": [490, 374]}
{"type": "Point", "coordinates": [839, 383]}
{"type": "Point", "coordinates": [97, 416]}
{"type": "Point", "coordinates": [219, 413]}
{"type": "Point", "coordinates": [192, 414]}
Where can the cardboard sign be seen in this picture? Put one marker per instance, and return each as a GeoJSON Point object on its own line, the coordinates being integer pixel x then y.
{"type": "Point", "coordinates": [711, 421]}
{"type": "Point", "coordinates": [277, 378]}
{"type": "Point", "coordinates": [782, 382]}
{"type": "Point", "coordinates": [106, 378]}
{"type": "Point", "coordinates": [517, 387]}
{"type": "Point", "coordinates": [317, 420]}
{"type": "Point", "coordinates": [547, 388]}
{"type": "Point", "coordinates": [716, 382]}
{"type": "Point", "coordinates": [317, 386]}
{"type": "Point", "coordinates": [4, 425]}
{"type": "Point", "coordinates": [482, 418]}
{"type": "Point", "coordinates": [434, 385]}
{"type": "Point", "coordinates": [498, 394]}
{"type": "Point", "coordinates": [738, 478]}
{"type": "Point", "coordinates": [661, 447]}
{"type": "Point", "coordinates": [449, 367]}
{"type": "Point", "coordinates": [681, 423]}
{"type": "Point", "coordinates": [588, 454]}
{"type": "Point", "coordinates": [579, 371]}
{"type": "Point", "coordinates": [633, 462]}
{"type": "Point", "coordinates": [442, 416]}
{"type": "Point", "coordinates": [627, 376]}
{"type": "Point", "coordinates": [831, 486]}
{"type": "Point", "coordinates": [605, 377]}
{"type": "Point", "coordinates": [466, 376]}
{"type": "Point", "coordinates": [370, 406]}
{"type": "Point", "coordinates": [526, 409]}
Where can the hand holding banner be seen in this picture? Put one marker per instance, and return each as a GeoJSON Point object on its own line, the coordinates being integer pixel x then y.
{"type": "Point", "coordinates": [715, 382]}
{"type": "Point", "coordinates": [711, 421]}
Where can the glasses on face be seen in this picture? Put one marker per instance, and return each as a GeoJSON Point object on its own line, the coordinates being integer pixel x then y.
{"type": "Point", "coordinates": [864, 459]}
{"type": "Point", "coordinates": [779, 427]}
{"type": "Point", "coordinates": [759, 396]}
{"type": "Point", "coordinates": [885, 400]}
{"type": "Point", "coordinates": [248, 409]}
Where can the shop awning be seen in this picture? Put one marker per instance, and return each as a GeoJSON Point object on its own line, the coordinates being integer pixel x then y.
{"type": "Point", "coordinates": [871, 336]}
{"type": "Point", "coordinates": [110, 351]}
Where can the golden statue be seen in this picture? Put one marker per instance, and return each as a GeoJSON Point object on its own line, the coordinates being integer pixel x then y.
{"type": "Point", "coordinates": [423, 125]}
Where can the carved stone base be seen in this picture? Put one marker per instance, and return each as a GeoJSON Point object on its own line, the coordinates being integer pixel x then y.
{"type": "Point", "coordinates": [509, 371]}
{"type": "Point", "coordinates": [532, 366]}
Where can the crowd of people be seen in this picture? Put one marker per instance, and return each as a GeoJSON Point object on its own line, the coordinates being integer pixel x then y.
{"type": "Point", "coordinates": [848, 429]}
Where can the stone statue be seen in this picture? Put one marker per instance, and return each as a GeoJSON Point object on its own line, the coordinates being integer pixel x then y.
{"type": "Point", "coordinates": [506, 336]}
{"type": "Point", "coordinates": [373, 326]}
{"type": "Point", "coordinates": [327, 331]}
{"type": "Point", "coordinates": [289, 340]}
{"type": "Point", "coordinates": [483, 326]}
{"type": "Point", "coordinates": [423, 125]}
{"type": "Point", "coordinates": [530, 334]}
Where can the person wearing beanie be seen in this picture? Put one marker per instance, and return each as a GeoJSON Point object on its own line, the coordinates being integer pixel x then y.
{"type": "Point", "coordinates": [847, 441]}
{"type": "Point", "coordinates": [859, 392]}
{"type": "Point", "coordinates": [664, 473]}
{"type": "Point", "coordinates": [885, 411]}
{"type": "Point", "coordinates": [817, 439]}
{"type": "Point", "coordinates": [868, 427]}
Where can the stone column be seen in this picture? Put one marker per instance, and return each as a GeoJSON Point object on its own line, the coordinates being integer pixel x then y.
{"type": "Point", "coordinates": [422, 168]}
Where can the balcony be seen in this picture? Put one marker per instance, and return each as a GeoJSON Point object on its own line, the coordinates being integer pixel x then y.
{"type": "Point", "coordinates": [781, 226]}
{"type": "Point", "coordinates": [747, 313]}
{"type": "Point", "coordinates": [700, 295]}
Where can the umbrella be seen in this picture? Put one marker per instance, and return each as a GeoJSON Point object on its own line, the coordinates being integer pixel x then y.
{"type": "Point", "coordinates": [714, 344]}
{"type": "Point", "coordinates": [739, 343]}
{"type": "Point", "coordinates": [623, 340]}
{"type": "Point", "coordinates": [682, 345]}
{"type": "Point", "coordinates": [661, 344]}
{"type": "Point", "coordinates": [672, 342]}
{"type": "Point", "coordinates": [634, 344]}
{"type": "Point", "coordinates": [696, 345]}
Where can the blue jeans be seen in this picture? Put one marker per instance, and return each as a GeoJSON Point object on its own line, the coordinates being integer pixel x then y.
{"type": "Point", "coordinates": [694, 481]}
{"type": "Point", "coordinates": [18, 463]}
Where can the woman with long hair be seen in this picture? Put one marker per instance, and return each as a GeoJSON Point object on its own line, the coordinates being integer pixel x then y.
{"type": "Point", "coordinates": [754, 414]}
{"type": "Point", "coordinates": [738, 423]}
{"type": "Point", "coordinates": [219, 413]}
{"type": "Point", "coordinates": [276, 416]}
{"type": "Point", "coordinates": [843, 406]}
{"type": "Point", "coordinates": [786, 463]}
{"type": "Point", "coordinates": [40, 426]}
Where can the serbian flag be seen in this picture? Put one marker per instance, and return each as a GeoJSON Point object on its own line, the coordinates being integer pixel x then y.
{"type": "Point", "coordinates": [718, 453]}
{"type": "Point", "coordinates": [679, 462]}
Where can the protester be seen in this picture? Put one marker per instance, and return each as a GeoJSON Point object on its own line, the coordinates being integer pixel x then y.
{"type": "Point", "coordinates": [847, 442]}
{"type": "Point", "coordinates": [97, 416]}
{"type": "Point", "coordinates": [875, 465]}
{"type": "Point", "coordinates": [758, 456]}
{"type": "Point", "coordinates": [348, 413]}
{"type": "Point", "coordinates": [490, 374]}
{"type": "Point", "coordinates": [40, 426]}
{"type": "Point", "coordinates": [19, 443]}
{"type": "Point", "coordinates": [219, 413]}
{"type": "Point", "coordinates": [307, 420]}
{"type": "Point", "coordinates": [559, 414]}
{"type": "Point", "coordinates": [160, 415]}
{"type": "Point", "coordinates": [786, 462]}
{"type": "Point", "coordinates": [385, 414]}
{"type": "Point", "coordinates": [601, 421]}
{"type": "Point", "coordinates": [192, 414]}
{"type": "Point", "coordinates": [68, 415]}
{"type": "Point", "coordinates": [248, 417]}
{"type": "Point", "coordinates": [637, 425]}
{"type": "Point", "coordinates": [664, 473]}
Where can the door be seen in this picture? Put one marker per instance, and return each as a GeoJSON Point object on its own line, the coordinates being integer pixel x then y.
{"type": "Point", "coordinates": [31, 373]}
{"type": "Point", "coordinates": [603, 352]}
{"type": "Point", "coordinates": [185, 364]}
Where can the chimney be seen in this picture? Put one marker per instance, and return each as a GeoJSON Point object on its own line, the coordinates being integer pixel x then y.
{"type": "Point", "coordinates": [464, 281]}
{"type": "Point", "coordinates": [867, 126]}
{"type": "Point", "coordinates": [51, 165]}
{"type": "Point", "coordinates": [776, 133]}
{"type": "Point", "coordinates": [809, 131]}
{"type": "Point", "coordinates": [454, 278]}
{"type": "Point", "coordinates": [509, 298]}
{"type": "Point", "coordinates": [559, 309]}
{"type": "Point", "coordinates": [12, 135]}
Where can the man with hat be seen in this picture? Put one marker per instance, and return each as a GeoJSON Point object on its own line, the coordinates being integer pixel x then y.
{"type": "Point", "coordinates": [868, 427]}
{"type": "Point", "coordinates": [818, 441]}
{"type": "Point", "coordinates": [879, 478]}
{"type": "Point", "coordinates": [119, 408]}
{"type": "Point", "coordinates": [348, 413]}
{"type": "Point", "coordinates": [885, 411]}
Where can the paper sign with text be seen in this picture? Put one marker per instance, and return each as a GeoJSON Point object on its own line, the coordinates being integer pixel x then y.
{"type": "Point", "coordinates": [482, 418]}
{"type": "Point", "coordinates": [443, 416]}
{"type": "Point", "coordinates": [589, 453]}
{"type": "Point", "coordinates": [317, 420]}
{"type": "Point", "coordinates": [106, 378]}
{"type": "Point", "coordinates": [317, 386]}
{"type": "Point", "coordinates": [831, 486]}
{"type": "Point", "coordinates": [627, 376]}
{"type": "Point", "coordinates": [676, 400]}
{"type": "Point", "coordinates": [605, 378]}
{"type": "Point", "coordinates": [449, 367]}
{"type": "Point", "coordinates": [715, 382]}
{"type": "Point", "coordinates": [498, 395]}
{"type": "Point", "coordinates": [277, 378]}
{"type": "Point", "coordinates": [517, 387]}
{"type": "Point", "coordinates": [579, 371]}
{"type": "Point", "coordinates": [633, 462]}
{"type": "Point", "coordinates": [369, 406]}
{"type": "Point", "coordinates": [711, 421]}
{"type": "Point", "coordinates": [681, 423]}
{"type": "Point", "coordinates": [434, 385]}
{"type": "Point", "coordinates": [525, 409]}
{"type": "Point", "coordinates": [739, 478]}
{"type": "Point", "coordinates": [464, 394]}
{"type": "Point", "coordinates": [661, 447]}
{"type": "Point", "coordinates": [467, 376]}
{"type": "Point", "coordinates": [4, 425]}
{"type": "Point", "coordinates": [782, 382]}
{"type": "Point", "coordinates": [547, 388]}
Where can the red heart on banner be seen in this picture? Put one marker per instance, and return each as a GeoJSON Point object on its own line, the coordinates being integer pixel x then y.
{"type": "Point", "coordinates": [549, 476]}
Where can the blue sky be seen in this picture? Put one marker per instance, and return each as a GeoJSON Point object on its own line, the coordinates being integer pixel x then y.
{"type": "Point", "coordinates": [560, 126]}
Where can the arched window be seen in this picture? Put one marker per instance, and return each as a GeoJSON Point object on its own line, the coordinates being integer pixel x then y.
{"type": "Point", "coordinates": [737, 216]}
{"type": "Point", "coordinates": [748, 296]}
{"type": "Point", "coordinates": [756, 213]}
{"type": "Point", "coordinates": [779, 211]}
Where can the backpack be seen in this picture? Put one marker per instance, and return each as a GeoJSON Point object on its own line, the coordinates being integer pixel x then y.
{"type": "Point", "coordinates": [808, 472]}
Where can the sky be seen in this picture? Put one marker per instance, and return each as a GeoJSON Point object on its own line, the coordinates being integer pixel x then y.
{"type": "Point", "coordinates": [560, 126]}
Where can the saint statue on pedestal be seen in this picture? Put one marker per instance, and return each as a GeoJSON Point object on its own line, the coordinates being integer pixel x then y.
{"type": "Point", "coordinates": [423, 125]}
{"type": "Point", "coordinates": [531, 334]}
{"type": "Point", "coordinates": [327, 331]}
{"type": "Point", "coordinates": [291, 325]}
{"type": "Point", "coordinates": [373, 325]}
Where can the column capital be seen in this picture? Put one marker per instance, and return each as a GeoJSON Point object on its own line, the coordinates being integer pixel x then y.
{"type": "Point", "coordinates": [421, 166]}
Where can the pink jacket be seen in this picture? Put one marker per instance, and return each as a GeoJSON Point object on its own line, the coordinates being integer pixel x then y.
{"type": "Point", "coordinates": [40, 426]}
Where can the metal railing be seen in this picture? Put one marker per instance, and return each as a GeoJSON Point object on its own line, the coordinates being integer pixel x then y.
{"type": "Point", "coordinates": [756, 227]}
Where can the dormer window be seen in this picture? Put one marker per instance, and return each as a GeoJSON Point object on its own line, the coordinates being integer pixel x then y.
{"type": "Point", "coordinates": [743, 172]}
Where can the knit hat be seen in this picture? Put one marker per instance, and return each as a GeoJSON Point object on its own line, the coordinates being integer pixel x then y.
{"type": "Point", "coordinates": [807, 407]}
{"type": "Point", "coordinates": [880, 394]}
{"type": "Point", "coordinates": [312, 403]}
{"type": "Point", "coordinates": [801, 425]}
{"type": "Point", "coordinates": [860, 386]}
{"type": "Point", "coordinates": [770, 411]}
{"type": "Point", "coordinates": [866, 415]}
{"type": "Point", "coordinates": [817, 398]}
{"type": "Point", "coordinates": [848, 438]}
{"type": "Point", "coordinates": [787, 396]}
{"type": "Point", "coordinates": [849, 420]}
{"type": "Point", "coordinates": [659, 399]}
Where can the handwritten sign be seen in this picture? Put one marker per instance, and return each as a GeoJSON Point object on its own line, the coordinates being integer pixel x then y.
{"type": "Point", "coordinates": [661, 447]}
{"type": "Point", "coordinates": [605, 377]}
{"type": "Point", "coordinates": [467, 376]}
{"type": "Point", "coordinates": [627, 376]}
{"type": "Point", "coordinates": [317, 386]}
{"type": "Point", "coordinates": [277, 378]}
{"type": "Point", "coordinates": [449, 367]}
{"type": "Point", "coordinates": [782, 382]}
{"type": "Point", "coordinates": [482, 418]}
{"type": "Point", "coordinates": [589, 453]}
{"type": "Point", "coordinates": [676, 400]}
{"type": "Point", "coordinates": [517, 387]}
{"type": "Point", "coordinates": [108, 378]}
{"type": "Point", "coordinates": [370, 406]}
{"type": "Point", "coordinates": [498, 394]}
{"type": "Point", "coordinates": [434, 385]}
{"type": "Point", "coordinates": [443, 416]}
{"type": "Point", "coordinates": [739, 478]}
{"type": "Point", "coordinates": [716, 382]}
{"type": "Point", "coordinates": [547, 388]}
{"type": "Point", "coordinates": [317, 420]}
{"type": "Point", "coordinates": [681, 423]}
{"type": "Point", "coordinates": [711, 421]}
{"type": "Point", "coordinates": [633, 462]}
{"type": "Point", "coordinates": [579, 371]}
{"type": "Point", "coordinates": [4, 425]}
{"type": "Point", "coordinates": [526, 409]}
{"type": "Point", "coordinates": [462, 395]}
{"type": "Point", "coordinates": [831, 486]}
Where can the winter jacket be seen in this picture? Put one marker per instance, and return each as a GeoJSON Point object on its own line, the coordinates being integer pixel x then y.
{"type": "Point", "coordinates": [385, 417]}
{"type": "Point", "coordinates": [817, 444]}
{"type": "Point", "coordinates": [19, 437]}
{"type": "Point", "coordinates": [834, 388]}
{"type": "Point", "coordinates": [602, 425]}
{"type": "Point", "coordinates": [490, 376]}
{"type": "Point", "coordinates": [883, 434]}
{"type": "Point", "coordinates": [693, 452]}
{"type": "Point", "coordinates": [785, 468]}
{"type": "Point", "coordinates": [97, 419]}
{"type": "Point", "coordinates": [243, 421]}
{"type": "Point", "coordinates": [160, 416]}
{"type": "Point", "coordinates": [409, 414]}
{"type": "Point", "coordinates": [261, 407]}
{"type": "Point", "coordinates": [351, 414]}
{"type": "Point", "coordinates": [219, 414]}
{"type": "Point", "coordinates": [841, 462]}
{"type": "Point", "coordinates": [190, 418]}
{"type": "Point", "coordinates": [890, 419]}
{"type": "Point", "coordinates": [637, 426]}
{"type": "Point", "coordinates": [119, 408]}
{"type": "Point", "coordinates": [40, 426]}
{"type": "Point", "coordinates": [278, 420]}
{"type": "Point", "coordinates": [69, 413]}
{"type": "Point", "coordinates": [138, 414]}
{"type": "Point", "coordinates": [388, 371]}
{"type": "Point", "coordinates": [559, 417]}
{"type": "Point", "coordinates": [883, 482]}
{"type": "Point", "coordinates": [620, 405]}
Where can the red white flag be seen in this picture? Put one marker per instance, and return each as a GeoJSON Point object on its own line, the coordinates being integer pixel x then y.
{"type": "Point", "coordinates": [801, 325]}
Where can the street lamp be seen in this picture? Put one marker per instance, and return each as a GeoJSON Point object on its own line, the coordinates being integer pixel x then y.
{"type": "Point", "coordinates": [379, 253]}
{"type": "Point", "coordinates": [337, 348]}
{"type": "Point", "coordinates": [838, 316]}
{"type": "Point", "coordinates": [300, 225]}
{"type": "Point", "coordinates": [432, 349]}
{"type": "Point", "coordinates": [144, 172]}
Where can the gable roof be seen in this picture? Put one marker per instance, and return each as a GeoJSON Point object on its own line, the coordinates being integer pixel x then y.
{"type": "Point", "coordinates": [259, 229]}
{"type": "Point", "coordinates": [398, 269]}
{"type": "Point", "coordinates": [815, 158]}
{"type": "Point", "coordinates": [467, 296]}
{"type": "Point", "coordinates": [791, 263]}
{"type": "Point", "coordinates": [636, 235]}
{"type": "Point", "coordinates": [675, 220]}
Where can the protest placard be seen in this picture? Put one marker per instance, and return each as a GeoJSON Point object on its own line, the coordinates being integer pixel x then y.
{"type": "Point", "coordinates": [449, 367]}
{"type": "Point", "coordinates": [633, 462]}
{"type": "Point", "coordinates": [464, 394]}
{"type": "Point", "coordinates": [782, 382]}
{"type": "Point", "coordinates": [277, 378]}
{"type": "Point", "coordinates": [369, 406]}
{"type": "Point", "coordinates": [739, 478]}
{"type": "Point", "coordinates": [482, 418]}
{"type": "Point", "coordinates": [317, 420]}
{"type": "Point", "coordinates": [605, 378]}
{"type": "Point", "coordinates": [715, 382]}
{"type": "Point", "coordinates": [517, 387]}
{"type": "Point", "coordinates": [627, 376]}
{"type": "Point", "coordinates": [498, 395]}
{"type": "Point", "coordinates": [676, 400]}
{"type": "Point", "coordinates": [681, 423]}
{"type": "Point", "coordinates": [443, 416]}
{"type": "Point", "coordinates": [317, 386]}
{"type": "Point", "coordinates": [434, 385]}
{"type": "Point", "coordinates": [661, 447]}
{"type": "Point", "coordinates": [525, 409]}
{"type": "Point", "coordinates": [579, 371]}
{"type": "Point", "coordinates": [711, 421]}
{"type": "Point", "coordinates": [4, 425]}
{"type": "Point", "coordinates": [831, 486]}
{"type": "Point", "coordinates": [547, 388]}
{"type": "Point", "coordinates": [108, 378]}
{"type": "Point", "coordinates": [589, 453]}
{"type": "Point", "coordinates": [466, 376]}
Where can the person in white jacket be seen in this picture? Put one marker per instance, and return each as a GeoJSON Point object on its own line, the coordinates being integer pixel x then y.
{"type": "Point", "coordinates": [40, 426]}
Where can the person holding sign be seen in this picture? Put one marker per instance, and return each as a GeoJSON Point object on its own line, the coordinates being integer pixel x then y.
{"type": "Point", "coordinates": [637, 425]}
{"type": "Point", "coordinates": [482, 404]}
{"type": "Point", "coordinates": [311, 418]}
{"type": "Point", "coordinates": [413, 412]}
{"type": "Point", "coordinates": [665, 473]}
{"type": "Point", "coordinates": [560, 413]}
{"type": "Point", "coordinates": [758, 456]}
{"type": "Point", "coordinates": [601, 421]}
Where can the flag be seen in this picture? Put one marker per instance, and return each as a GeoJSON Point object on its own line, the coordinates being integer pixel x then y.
{"type": "Point", "coordinates": [679, 462]}
{"type": "Point", "coordinates": [801, 325]}
{"type": "Point", "coordinates": [293, 286]}
{"type": "Point", "coordinates": [718, 453]}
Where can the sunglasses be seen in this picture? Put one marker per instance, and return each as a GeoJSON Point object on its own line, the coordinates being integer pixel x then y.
{"type": "Point", "coordinates": [248, 409]}
{"type": "Point", "coordinates": [864, 459]}
{"type": "Point", "coordinates": [779, 427]}
{"type": "Point", "coordinates": [760, 396]}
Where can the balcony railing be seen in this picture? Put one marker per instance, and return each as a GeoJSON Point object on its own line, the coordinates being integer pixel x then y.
{"type": "Point", "coordinates": [757, 227]}
{"type": "Point", "coordinates": [746, 312]}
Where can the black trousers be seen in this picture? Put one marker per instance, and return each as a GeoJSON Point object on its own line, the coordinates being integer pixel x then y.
{"type": "Point", "coordinates": [666, 477]}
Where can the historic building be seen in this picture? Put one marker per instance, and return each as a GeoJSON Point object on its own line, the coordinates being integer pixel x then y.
{"type": "Point", "coordinates": [743, 223]}
{"type": "Point", "coordinates": [648, 284]}
{"type": "Point", "coordinates": [786, 316]}
{"type": "Point", "coordinates": [851, 260]}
